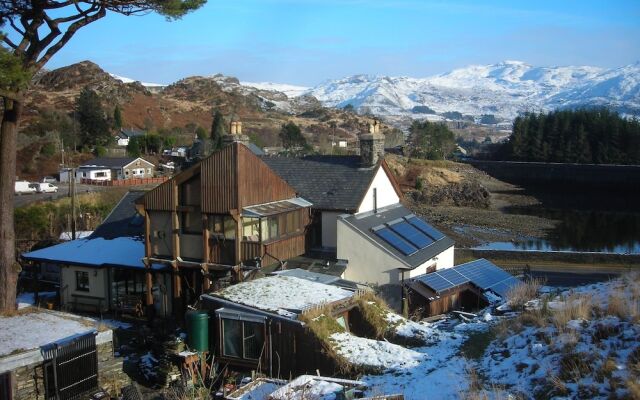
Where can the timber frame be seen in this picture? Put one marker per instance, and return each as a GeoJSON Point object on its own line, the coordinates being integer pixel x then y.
{"type": "Point", "coordinates": [197, 223]}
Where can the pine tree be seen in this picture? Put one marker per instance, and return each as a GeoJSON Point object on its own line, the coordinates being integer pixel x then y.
{"type": "Point", "coordinates": [117, 117]}
{"type": "Point", "coordinates": [94, 129]}
{"type": "Point", "coordinates": [217, 130]}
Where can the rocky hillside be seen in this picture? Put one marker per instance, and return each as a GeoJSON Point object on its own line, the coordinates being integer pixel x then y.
{"type": "Point", "coordinates": [190, 101]}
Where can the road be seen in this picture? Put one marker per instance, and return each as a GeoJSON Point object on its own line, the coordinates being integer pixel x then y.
{"type": "Point", "coordinates": [63, 191]}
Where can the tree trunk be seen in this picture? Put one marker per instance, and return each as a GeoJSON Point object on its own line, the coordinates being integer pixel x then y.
{"type": "Point", "coordinates": [9, 268]}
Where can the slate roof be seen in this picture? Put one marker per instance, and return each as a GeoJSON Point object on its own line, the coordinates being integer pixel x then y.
{"type": "Point", "coordinates": [129, 133]}
{"type": "Point", "coordinates": [118, 241]}
{"type": "Point", "coordinates": [109, 162]}
{"type": "Point", "coordinates": [364, 223]}
{"type": "Point", "coordinates": [123, 221]}
{"type": "Point", "coordinates": [329, 182]}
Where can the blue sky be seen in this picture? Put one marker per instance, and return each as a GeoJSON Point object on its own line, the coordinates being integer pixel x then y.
{"type": "Point", "coordinates": [307, 41]}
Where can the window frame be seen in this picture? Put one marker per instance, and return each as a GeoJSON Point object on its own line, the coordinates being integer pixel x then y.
{"type": "Point", "coordinates": [242, 340]}
{"type": "Point", "coordinates": [82, 286]}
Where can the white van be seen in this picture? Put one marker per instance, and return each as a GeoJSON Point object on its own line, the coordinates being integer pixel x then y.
{"type": "Point", "coordinates": [24, 187]}
{"type": "Point", "coordinates": [47, 188]}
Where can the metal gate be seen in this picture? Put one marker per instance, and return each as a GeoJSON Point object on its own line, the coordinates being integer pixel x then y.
{"type": "Point", "coordinates": [70, 367]}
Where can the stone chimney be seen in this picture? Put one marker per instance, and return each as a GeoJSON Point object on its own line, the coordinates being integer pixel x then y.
{"type": "Point", "coordinates": [371, 145]}
{"type": "Point", "coordinates": [235, 134]}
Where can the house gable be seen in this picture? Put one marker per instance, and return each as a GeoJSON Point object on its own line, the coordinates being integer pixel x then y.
{"type": "Point", "coordinates": [387, 190]}
{"type": "Point", "coordinates": [139, 159]}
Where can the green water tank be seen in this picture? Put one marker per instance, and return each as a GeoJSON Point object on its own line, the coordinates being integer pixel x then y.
{"type": "Point", "coordinates": [198, 330]}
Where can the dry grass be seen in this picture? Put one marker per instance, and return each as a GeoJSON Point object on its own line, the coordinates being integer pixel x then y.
{"type": "Point", "coordinates": [623, 307]}
{"type": "Point", "coordinates": [323, 325]}
{"type": "Point", "coordinates": [519, 295]}
{"type": "Point", "coordinates": [374, 311]}
{"type": "Point", "coordinates": [575, 307]}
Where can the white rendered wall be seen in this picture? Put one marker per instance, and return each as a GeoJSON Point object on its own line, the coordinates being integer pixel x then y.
{"type": "Point", "coordinates": [385, 193]}
{"type": "Point", "coordinates": [329, 226]}
{"type": "Point", "coordinates": [97, 285]}
{"type": "Point", "coordinates": [441, 261]}
{"type": "Point", "coordinates": [368, 263]}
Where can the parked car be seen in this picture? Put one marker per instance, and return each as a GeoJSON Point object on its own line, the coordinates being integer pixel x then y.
{"type": "Point", "coordinates": [49, 179]}
{"type": "Point", "coordinates": [46, 188]}
{"type": "Point", "coordinates": [24, 187]}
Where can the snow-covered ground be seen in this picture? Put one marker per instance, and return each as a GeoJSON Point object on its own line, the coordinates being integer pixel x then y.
{"type": "Point", "coordinates": [567, 357]}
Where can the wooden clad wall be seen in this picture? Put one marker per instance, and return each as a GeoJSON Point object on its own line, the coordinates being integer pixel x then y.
{"type": "Point", "coordinates": [161, 197]}
{"type": "Point", "coordinates": [218, 176]}
{"type": "Point", "coordinates": [257, 183]}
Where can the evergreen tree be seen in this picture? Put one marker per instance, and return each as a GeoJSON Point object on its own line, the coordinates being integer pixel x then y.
{"type": "Point", "coordinates": [94, 129]}
{"type": "Point", "coordinates": [584, 136]}
{"type": "Point", "coordinates": [292, 137]}
{"type": "Point", "coordinates": [433, 141]}
{"type": "Point", "coordinates": [117, 117]}
{"type": "Point", "coordinates": [217, 130]}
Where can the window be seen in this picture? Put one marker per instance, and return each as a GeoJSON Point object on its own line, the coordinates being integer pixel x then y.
{"type": "Point", "coordinates": [251, 229]}
{"type": "Point", "coordinates": [101, 174]}
{"type": "Point", "coordinates": [82, 281]}
{"type": "Point", "coordinates": [242, 339]}
{"type": "Point", "coordinates": [192, 222]}
{"type": "Point", "coordinates": [149, 171]}
{"type": "Point", "coordinates": [222, 226]}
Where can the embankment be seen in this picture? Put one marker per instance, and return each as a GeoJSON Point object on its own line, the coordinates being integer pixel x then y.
{"type": "Point", "coordinates": [619, 178]}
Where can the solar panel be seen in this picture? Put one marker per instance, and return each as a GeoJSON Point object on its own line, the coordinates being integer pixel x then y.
{"type": "Point", "coordinates": [396, 241]}
{"type": "Point", "coordinates": [424, 227]}
{"type": "Point", "coordinates": [482, 273]}
{"type": "Point", "coordinates": [411, 234]}
{"type": "Point", "coordinates": [436, 282]}
{"type": "Point", "coordinates": [453, 276]}
{"type": "Point", "coordinates": [502, 288]}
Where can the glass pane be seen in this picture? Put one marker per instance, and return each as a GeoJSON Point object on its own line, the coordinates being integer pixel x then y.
{"type": "Point", "coordinates": [250, 229]}
{"type": "Point", "coordinates": [253, 340]}
{"type": "Point", "coordinates": [229, 228]}
{"type": "Point", "coordinates": [273, 228]}
{"type": "Point", "coordinates": [264, 227]}
{"type": "Point", "coordinates": [232, 338]}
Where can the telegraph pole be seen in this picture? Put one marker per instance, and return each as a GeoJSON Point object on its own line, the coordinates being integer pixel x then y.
{"type": "Point", "coordinates": [73, 203]}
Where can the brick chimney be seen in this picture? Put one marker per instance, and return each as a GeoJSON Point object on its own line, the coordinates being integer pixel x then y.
{"type": "Point", "coordinates": [371, 145]}
{"type": "Point", "coordinates": [235, 134]}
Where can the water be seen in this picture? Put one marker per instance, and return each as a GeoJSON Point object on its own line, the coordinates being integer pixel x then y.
{"type": "Point", "coordinates": [600, 225]}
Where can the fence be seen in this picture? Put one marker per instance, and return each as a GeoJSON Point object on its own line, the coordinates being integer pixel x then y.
{"type": "Point", "coordinates": [124, 182]}
{"type": "Point", "coordinates": [71, 368]}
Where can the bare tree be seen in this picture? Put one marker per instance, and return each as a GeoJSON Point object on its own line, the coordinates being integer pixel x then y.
{"type": "Point", "coordinates": [38, 29]}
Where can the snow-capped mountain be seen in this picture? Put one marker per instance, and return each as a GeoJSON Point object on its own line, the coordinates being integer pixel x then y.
{"type": "Point", "coordinates": [289, 90]}
{"type": "Point", "coordinates": [504, 90]}
{"type": "Point", "coordinates": [129, 80]}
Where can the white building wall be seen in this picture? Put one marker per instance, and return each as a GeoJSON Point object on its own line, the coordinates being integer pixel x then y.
{"type": "Point", "coordinates": [385, 193]}
{"type": "Point", "coordinates": [441, 261]}
{"type": "Point", "coordinates": [329, 226]}
{"type": "Point", "coordinates": [123, 142]}
{"type": "Point", "coordinates": [368, 263]}
{"type": "Point", "coordinates": [98, 286]}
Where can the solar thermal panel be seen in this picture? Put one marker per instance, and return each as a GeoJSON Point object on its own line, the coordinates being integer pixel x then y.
{"type": "Point", "coordinates": [396, 241]}
{"type": "Point", "coordinates": [425, 228]}
{"type": "Point", "coordinates": [411, 234]}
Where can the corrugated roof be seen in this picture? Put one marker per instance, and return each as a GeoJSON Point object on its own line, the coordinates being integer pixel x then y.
{"type": "Point", "coordinates": [329, 182]}
{"type": "Point", "coordinates": [365, 222]}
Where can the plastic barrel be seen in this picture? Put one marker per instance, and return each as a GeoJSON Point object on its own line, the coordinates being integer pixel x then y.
{"type": "Point", "coordinates": [198, 330]}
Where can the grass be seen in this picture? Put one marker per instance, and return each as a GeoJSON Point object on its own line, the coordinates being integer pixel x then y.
{"type": "Point", "coordinates": [520, 294]}
{"type": "Point", "coordinates": [476, 344]}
